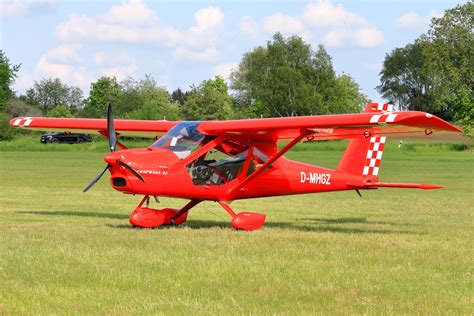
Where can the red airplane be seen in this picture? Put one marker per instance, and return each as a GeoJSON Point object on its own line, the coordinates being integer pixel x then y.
{"type": "Point", "coordinates": [224, 161]}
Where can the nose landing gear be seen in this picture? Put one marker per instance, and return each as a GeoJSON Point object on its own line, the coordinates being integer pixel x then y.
{"type": "Point", "coordinates": [150, 218]}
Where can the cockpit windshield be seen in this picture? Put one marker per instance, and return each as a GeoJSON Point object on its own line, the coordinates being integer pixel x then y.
{"type": "Point", "coordinates": [181, 139]}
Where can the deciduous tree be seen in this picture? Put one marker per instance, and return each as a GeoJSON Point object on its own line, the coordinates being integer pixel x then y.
{"type": "Point", "coordinates": [103, 91]}
{"type": "Point", "coordinates": [287, 78]}
{"type": "Point", "coordinates": [208, 101]}
{"type": "Point", "coordinates": [156, 102]}
{"type": "Point", "coordinates": [17, 107]}
{"type": "Point", "coordinates": [60, 110]}
{"type": "Point", "coordinates": [50, 92]}
{"type": "Point", "coordinates": [8, 74]}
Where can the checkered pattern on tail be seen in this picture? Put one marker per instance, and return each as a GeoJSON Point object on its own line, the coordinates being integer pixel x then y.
{"type": "Point", "coordinates": [379, 107]}
{"type": "Point", "coordinates": [374, 156]}
{"type": "Point", "coordinates": [363, 154]}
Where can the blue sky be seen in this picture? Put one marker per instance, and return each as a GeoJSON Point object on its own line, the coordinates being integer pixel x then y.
{"type": "Point", "coordinates": [184, 42]}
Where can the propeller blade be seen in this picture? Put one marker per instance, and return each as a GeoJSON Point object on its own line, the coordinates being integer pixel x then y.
{"type": "Point", "coordinates": [123, 164]}
{"type": "Point", "coordinates": [96, 179]}
{"type": "Point", "coordinates": [110, 128]}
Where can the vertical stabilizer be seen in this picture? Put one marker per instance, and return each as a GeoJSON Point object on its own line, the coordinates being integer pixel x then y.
{"type": "Point", "coordinates": [363, 155]}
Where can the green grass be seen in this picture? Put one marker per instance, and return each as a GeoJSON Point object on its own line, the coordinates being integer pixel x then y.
{"type": "Point", "coordinates": [391, 252]}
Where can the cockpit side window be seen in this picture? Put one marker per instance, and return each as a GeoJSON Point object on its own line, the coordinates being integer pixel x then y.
{"type": "Point", "coordinates": [220, 165]}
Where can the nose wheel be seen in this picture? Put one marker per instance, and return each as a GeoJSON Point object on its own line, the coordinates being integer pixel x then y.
{"type": "Point", "coordinates": [147, 217]}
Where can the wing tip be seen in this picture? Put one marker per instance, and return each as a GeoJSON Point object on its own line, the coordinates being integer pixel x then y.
{"type": "Point", "coordinates": [15, 122]}
{"type": "Point", "coordinates": [427, 121]}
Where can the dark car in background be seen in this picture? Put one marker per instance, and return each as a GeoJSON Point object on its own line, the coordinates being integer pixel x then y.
{"type": "Point", "coordinates": [70, 138]}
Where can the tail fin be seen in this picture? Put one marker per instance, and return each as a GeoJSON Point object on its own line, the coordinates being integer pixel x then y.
{"type": "Point", "coordinates": [363, 155]}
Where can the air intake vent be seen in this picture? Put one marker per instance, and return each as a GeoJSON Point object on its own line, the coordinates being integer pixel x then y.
{"type": "Point", "coordinates": [119, 182]}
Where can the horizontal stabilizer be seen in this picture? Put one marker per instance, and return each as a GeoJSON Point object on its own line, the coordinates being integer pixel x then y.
{"type": "Point", "coordinates": [373, 185]}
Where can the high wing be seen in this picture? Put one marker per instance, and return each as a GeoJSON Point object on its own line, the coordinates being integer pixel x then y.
{"type": "Point", "coordinates": [327, 127]}
{"type": "Point", "coordinates": [93, 126]}
{"type": "Point", "coordinates": [322, 127]}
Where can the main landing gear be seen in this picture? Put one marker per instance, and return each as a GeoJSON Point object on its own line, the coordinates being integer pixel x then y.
{"type": "Point", "coordinates": [150, 218]}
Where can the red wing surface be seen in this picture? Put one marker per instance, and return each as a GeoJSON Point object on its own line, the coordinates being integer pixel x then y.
{"type": "Point", "coordinates": [326, 127]}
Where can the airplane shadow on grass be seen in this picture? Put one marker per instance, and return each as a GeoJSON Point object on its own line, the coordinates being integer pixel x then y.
{"type": "Point", "coordinates": [77, 213]}
{"type": "Point", "coordinates": [350, 220]}
{"type": "Point", "coordinates": [302, 224]}
{"type": "Point", "coordinates": [200, 224]}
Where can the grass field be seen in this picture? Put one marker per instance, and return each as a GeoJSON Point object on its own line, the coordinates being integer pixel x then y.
{"type": "Point", "coordinates": [391, 252]}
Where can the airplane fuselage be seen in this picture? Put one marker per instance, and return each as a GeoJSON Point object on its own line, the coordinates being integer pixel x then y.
{"type": "Point", "coordinates": [166, 175]}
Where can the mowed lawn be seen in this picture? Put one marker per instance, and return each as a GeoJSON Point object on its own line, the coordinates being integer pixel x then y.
{"type": "Point", "coordinates": [392, 251]}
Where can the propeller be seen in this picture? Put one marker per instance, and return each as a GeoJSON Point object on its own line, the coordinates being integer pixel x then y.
{"type": "Point", "coordinates": [96, 179]}
{"type": "Point", "coordinates": [111, 129]}
{"type": "Point", "coordinates": [112, 142]}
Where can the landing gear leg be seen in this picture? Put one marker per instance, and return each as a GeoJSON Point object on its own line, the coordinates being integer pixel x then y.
{"type": "Point", "coordinates": [181, 216]}
{"type": "Point", "coordinates": [244, 220]}
{"type": "Point", "coordinates": [150, 218]}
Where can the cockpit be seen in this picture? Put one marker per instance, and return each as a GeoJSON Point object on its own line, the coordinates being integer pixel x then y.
{"type": "Point", "coordinates": [219, 165]}
{"type": "Point", "coordinates": [182, 139]}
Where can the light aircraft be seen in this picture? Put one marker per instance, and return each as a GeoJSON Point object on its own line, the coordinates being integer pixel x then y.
{"type": "Point", "coordinates": [224, 161]}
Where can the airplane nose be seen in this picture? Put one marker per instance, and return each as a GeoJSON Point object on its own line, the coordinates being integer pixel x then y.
{"type": "Point", "coordinates": [111, 158]}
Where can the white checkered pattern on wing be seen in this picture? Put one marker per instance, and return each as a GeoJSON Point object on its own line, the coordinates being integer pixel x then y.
{"type": "Point", "coordinates": [23, 121]}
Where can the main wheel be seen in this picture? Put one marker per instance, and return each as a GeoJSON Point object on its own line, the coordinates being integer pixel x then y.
{"type": "Point", "coordinates": [79, 140]}
{"type": "Point", "coordinates": [54, 141]}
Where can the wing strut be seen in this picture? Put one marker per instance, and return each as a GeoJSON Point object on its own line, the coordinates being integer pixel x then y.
{"type": "Point", "coordinates": [271, 160]}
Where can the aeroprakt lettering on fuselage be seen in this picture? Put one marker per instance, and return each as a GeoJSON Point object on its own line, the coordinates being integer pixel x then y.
{"type": "Point", "coordinates": [315, 178]}
{"type": "Point", "coordinates": [157, 172]}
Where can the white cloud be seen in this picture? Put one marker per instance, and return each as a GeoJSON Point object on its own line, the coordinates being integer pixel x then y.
{"type": "Point", "coordinates": [320, 21]}
{"type": "Point", "coordinates": [207, 19]}
{"type": "Point", "coordinates": [368, 37]}
{"type": "Point", "coordinates": [61, 62]}
{"type": "Point", "coordinates": [337, 38]}
{"type": "Point", "coordinates": [224, 70]}
{"type": "Point", "coordinates": [412, 21]}
{"type": "Point", "coordinates": [76, 27]}
{"type": "Point", "coordinates": [22, 7]}
{"type": "Point", "coordinates": [324, 14]}
{"type": "Point", "coordinates": [64, 62]}
{"type": "Point", "coordinates": [47, 69]}
{"type": "Point", "coordinates": [283, 23]}
{"type": "Point", "coordinates": [134, 22]}
{"type": "Point", "coordinates": [205, 31]}
{"type": "Point", "coordinates": [132, 12]}
{"type": "Point", "coordinates": [65, 53]}
{"type": "Point", "coordinates": [112, 59]}
{"type": "Point", "coordinates": [207, 55]}
{"type": "Point", "coordinates": [117, 64]}
{"type": "Point", "coordinates": [249, 26]}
